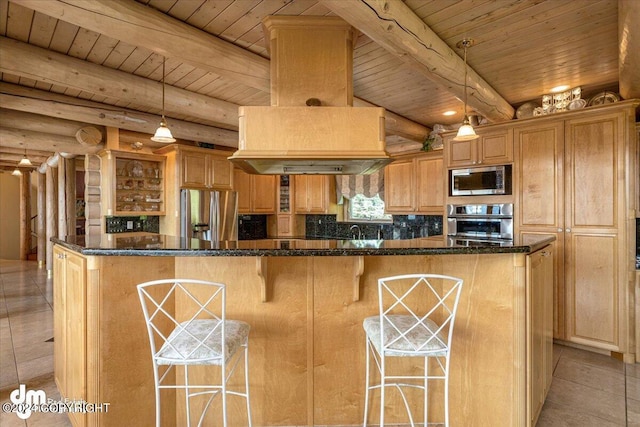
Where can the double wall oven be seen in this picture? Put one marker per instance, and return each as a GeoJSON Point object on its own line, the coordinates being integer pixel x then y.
{"type": "Point", "coordinates": [480, 224]}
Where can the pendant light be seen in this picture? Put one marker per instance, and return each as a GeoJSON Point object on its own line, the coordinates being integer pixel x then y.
{"type": "Point", "coordinates": [163, 134]}
{"type": "Point", "coordinates": [25, 162]}
{"type": "Point", "coordinates": [465, 132]}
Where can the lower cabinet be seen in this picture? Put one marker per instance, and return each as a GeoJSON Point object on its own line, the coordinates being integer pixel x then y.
{"type": "Point", "coordinates": [540, 324]}
{"type": "Point", "coordinates": [69, 325]}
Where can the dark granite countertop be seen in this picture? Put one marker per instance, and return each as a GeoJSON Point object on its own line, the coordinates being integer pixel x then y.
{"type": "Point", "coordinates": [163, 245]}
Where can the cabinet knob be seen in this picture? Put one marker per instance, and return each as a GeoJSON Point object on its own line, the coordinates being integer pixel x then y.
{"type": "Point", "coordinates": [559, 230]}
{"type": "Point", "coordinates": [568, 230]}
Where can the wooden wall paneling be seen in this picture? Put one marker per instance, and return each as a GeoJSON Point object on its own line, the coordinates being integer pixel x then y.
{"type": "Point", "coordinates": [118, 343]}
{"type": "Point", "coordinates": [278, 338]}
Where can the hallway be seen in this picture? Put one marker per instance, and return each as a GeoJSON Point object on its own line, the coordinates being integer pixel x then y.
{"type": "Point", "coordinates": [588, 390]}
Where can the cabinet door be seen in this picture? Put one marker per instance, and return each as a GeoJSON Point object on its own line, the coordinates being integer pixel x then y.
{"type": "Point", "coordinates": [76, 333]}
{"type": "Point", "coordinates": [399, 186]}
{"type": "Point", "coordinates": [221, 174]}
{"type": "Point", "coordinates": [594, 219]}
{"type": "Point", "coordinates": [539, 176]}
{"type": "Point", "coordinates": [195, 170]}
{"type": "Point", "coordinates": [495, 148]}
{"type": "Point", "coordinates": [264, 194]}
{"type": "Point", "coordinates": [311, 193]}
{"type": "Point", "coordinates": [461, 153]}
{"type": "Point", "coordinates": [242, 185]}
{"type": "Point", "coordinates": [430, 183]}
{"type": "Point", "coordinates": [59, 323]}
{"type": "Point", "coordinates": [539, 314]}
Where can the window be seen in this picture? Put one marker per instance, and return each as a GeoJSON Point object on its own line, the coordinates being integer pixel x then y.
{"type": "Point", "coordinates": [361, 208]}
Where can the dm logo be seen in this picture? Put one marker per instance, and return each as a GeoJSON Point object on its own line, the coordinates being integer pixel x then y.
{"type": "Point", "coordinates": [25, 400]}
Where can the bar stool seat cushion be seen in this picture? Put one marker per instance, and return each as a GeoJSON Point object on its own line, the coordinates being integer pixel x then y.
{"type": "Point", "coordinates": [420, 338]}
{"type": "Point", "coordinates": [199, 342]}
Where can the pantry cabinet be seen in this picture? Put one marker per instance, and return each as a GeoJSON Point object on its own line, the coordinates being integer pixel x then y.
{"type": "Point", "coordinates": [256, 193]}
{"type": "Point", "coordinates": [493, 147]}
{"type": "Point", "coordinates": [575, 181]}
{"type": "Point", "coordinates": [415, 184]}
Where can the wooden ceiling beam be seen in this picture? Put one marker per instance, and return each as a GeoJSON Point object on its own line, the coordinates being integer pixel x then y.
{"type": "Point", "coordinates": [20, 98]}
{"type": "Point", "coordinates": [629, 48]}
{"type": "Point", "coordinates": [39, 123]}
{"type": "Point", "coordinates": [25, 60]}
{"type": "Point", "coordinates": [19, 138]}
{"type": "Point", "coordinates": [141, 25]}
{"type": "Point", "coordinates": [395, 27]}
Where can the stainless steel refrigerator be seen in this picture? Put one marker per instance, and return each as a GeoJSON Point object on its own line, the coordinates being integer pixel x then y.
{"type": "Point", "coordinates": [209, 215]}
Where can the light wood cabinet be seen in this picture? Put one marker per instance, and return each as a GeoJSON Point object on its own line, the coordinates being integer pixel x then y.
{"type": "Point", "coordinates": [493, 147]}
{"type": "Point", "coordinates": [572, 179]}
{"type": "Point", "coordinates": [133, 184]}
{"type": "Point", "coordinates": [205, 170]}
{"type": "Point", "coordinates": [70, 321]}
{"type": "Point", "coordinates": [539, 284]}
{"type": "Point", "coordinates": [415, 185]}
{"type": "Point", "coordinates": [314, 194]}
{"type": "Point", "coordinates": [256, 193]}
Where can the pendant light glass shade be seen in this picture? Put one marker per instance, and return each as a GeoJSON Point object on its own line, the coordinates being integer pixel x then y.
{"type": "Point", "coordinates": [16, 172]}
{"type": "Point", "coordinates": [163, 134]}
{"type": "Point", "coordinates": [465, 132]}
{"type": "Point", "coordinates": [25, 160]}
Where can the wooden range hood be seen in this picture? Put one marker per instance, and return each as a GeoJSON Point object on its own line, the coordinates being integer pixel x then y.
{"type": "Point", "coordinates": [311, 125]}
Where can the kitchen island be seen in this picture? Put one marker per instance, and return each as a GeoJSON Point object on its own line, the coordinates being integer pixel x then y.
{"type": "Point", "coordinates": [305, 301]}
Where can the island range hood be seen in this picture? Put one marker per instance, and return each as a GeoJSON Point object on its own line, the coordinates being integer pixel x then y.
{"type": "Point", "coordinates": [311, 126]}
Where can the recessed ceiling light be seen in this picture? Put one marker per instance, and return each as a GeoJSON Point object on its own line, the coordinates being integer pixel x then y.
{"type": "Point", "coordinates": [559, 88]}
{"type": "Point", "coordinates": [449, 113]}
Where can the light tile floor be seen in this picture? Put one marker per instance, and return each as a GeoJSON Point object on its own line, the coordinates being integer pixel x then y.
{"type": "Point", "coordinates": [588, 389]}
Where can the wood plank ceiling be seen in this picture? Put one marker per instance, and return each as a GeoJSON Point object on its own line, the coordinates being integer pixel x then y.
{"type": "Point", "coordinates": [99, 63]}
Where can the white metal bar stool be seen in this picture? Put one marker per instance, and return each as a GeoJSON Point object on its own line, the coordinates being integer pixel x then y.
{"type": "Point", "coordinates": [417, 313]}
{"type": "Point", "coordinates": [187, 325]}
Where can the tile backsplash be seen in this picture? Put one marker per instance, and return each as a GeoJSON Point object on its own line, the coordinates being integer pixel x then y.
{"type": "Point", "coordinates": [403, 227]}
{"type": "Point", "coordinates": [127, 224]}
{"type": "Point", "coordinates": [251, 227]}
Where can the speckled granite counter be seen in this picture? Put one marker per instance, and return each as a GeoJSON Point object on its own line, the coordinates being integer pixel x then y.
{"type": "Point", "coordinates": [163, 245]}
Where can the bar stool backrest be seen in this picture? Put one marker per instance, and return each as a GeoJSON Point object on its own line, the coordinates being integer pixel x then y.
{"type": "Point", "coordinates": [417, 313]}
{"type": "Point", "coordinates": [185, 320]}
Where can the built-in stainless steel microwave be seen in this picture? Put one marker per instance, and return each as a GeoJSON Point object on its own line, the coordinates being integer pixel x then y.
{"type": "Point", "coordinates": [480, 181]}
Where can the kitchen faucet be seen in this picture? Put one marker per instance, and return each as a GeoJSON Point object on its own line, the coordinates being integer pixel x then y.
{"type": "Point", "coordinates": [353, 234]}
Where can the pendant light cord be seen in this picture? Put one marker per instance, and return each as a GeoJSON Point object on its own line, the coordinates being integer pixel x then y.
{"type": "Point", "coordinates": [465, 81]}
{"type": "Point", "coordinates": [164, 59]}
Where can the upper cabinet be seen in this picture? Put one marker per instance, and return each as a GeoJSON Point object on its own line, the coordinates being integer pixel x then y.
{"type": "Point", "coordinates": [205, 170]}
{"type": "Point", "coordinates": [256, 193]}
{"type": "Point", "coordinates": [415, 184]}
{"type": "Point", "coordinates": [314, 194]}
{"type": "Point", "coordinates": [493, 147]}
{"type": "Point", "coordinates": [133, 184]}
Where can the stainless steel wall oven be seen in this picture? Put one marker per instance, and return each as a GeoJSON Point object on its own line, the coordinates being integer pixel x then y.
{"type": "Point", "coordinates": [490, 224]}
